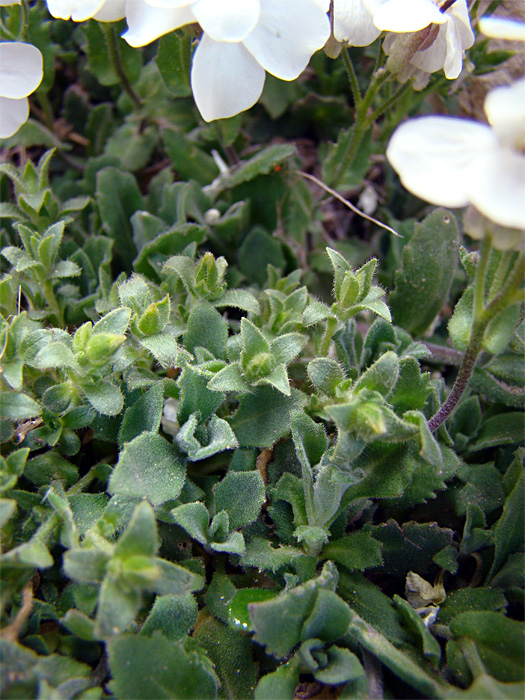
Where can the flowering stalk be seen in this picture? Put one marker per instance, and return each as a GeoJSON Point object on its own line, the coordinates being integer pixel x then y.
{"type": "Point", "coordinates": [501, 297]}
{"type": "Point", "coordinates": [116, 62]}
{"type": "Point", "coordinates": [362, 120]}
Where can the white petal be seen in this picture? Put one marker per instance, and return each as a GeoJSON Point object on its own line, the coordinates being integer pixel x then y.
{"type": "Point", "coordinates": [228, 20]}
{"type": "Point", "coordinates": [287, 34]}
{"type": "Point", "coordinates": [4, 3]}
{"type": "Point", "coordinates": [13, 113]}
{"type": "Point", "coordinates": [497, 185]}
{"type": "Point", "coordinates": [169, 3]}
{"type": "Point", "coordinates": [432, 155]}
{"type": "Point", "coordinates": [111, 11]}
{"type": "Point", "coordinates": [453, 63]}
{"type": "Point", "coordinates": [460, 16]}
{"type": "Point", "coordinates": [147, 23]}
{"type": "Point", "coordinates": [432, 59]}
{"type": "Point", "coordinates": [505, 110]}
{"type": "Point", "coordinates": [353, 23]}
{"type": "Point", "coordinates": [407, 15]}
{"type": "Point", "coordinates": [500, 28]}
{"type": "Point", "coordinates": [225, 79]}
{"type": "Point", "coordinates": [20, 69]}
{"type": "Point", "coordinates": [77, 10]}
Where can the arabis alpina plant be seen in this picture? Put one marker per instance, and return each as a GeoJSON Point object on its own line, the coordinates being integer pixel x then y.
{"type": "Point", "coordinates": [20, 74]}
{"type": "Point", "coordinates": [454, 162]}
{"type": "Point", "coordinates": [80, 10]}
{"type": "Point", "coordinates": [241, 41]}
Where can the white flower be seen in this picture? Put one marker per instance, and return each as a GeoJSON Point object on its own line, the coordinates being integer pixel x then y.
{"type": "Point", "coordinates": [20, 74]}
{"type": "Point", "coordinates": [502, 28]}
{"type": "Point", "coordinates": [80, 10]}
{"type": "Point", "coordinates": [454, 162]}
{"type": "Point", "coordinates": [422, 34]}
{"type": "Point", "coordinates": [242, 40]}
{"type": "Point", "coordinates": [444, 32]}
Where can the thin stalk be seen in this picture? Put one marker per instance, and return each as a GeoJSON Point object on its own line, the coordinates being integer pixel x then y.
{"type": "Point", "coordinates": [510, 294]}
{"type": "Point", "coordinates": [116, 62]}
{"type": "Point", "coordinates": [361, 126]}
{"type": "Point", "coordinates": [49, 295]}
{"type": "Point", "coordinates": [390, 102]}
{"type": "Point", "coordinates": [352, 77]}
{"type": "Point", "coordinates": [472, 657]}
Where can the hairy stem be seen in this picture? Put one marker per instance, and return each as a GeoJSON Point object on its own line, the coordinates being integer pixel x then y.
{"type": "Point", "coordinates": [116, 62]}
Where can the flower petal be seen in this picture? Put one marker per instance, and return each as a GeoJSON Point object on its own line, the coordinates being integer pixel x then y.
{"type": "Point", "coordinates": [13, 113]}
{"type": "Point", "coordinates": [147, 23]}
{"type": "Point", "coordinates": [225, 79]}
{"type": "Point", "coordinates": [501, 28]}
{"type": "Point", "coordinates": [432, 59]}
{"type": "Point", "coordinates": [407, 15]}
{"type": "Point", "coordinates": [228, 20]}
{"type": "Point", "coordinates": [20, 69]}
{"type": "Point", "coordinates": [287, 34]}
{"type": "Point", "coordinates": [353, 23]}
{"type": "Point", "coordinates": [77, 10]}
{"type": "Point", "coordinates": [111, 11]}
{"type": "Point", "coordinates": [169, 3]}
{"type": "Point", "coordinates": [496, 185]}
{"type": "Point", "coordinates": [505, 110]}
{"type": "Point", "coordinates": [432, 155]}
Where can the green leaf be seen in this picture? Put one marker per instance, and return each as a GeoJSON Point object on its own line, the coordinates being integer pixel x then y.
{"type": "Point", "coordinates": [260, 553]}
{"type": "Point", "coordinates": [342, 666]}
{"type": "Point", "coordinates": [426, 642]}
{"type": "Point", "coordinates": [399, 662]}
{"type": "Point", "coordinates": [172, 615]}
{"type": "Point", "coordinates": [381, 376]}
{"type": "Point", "coordinates": [17, 406]}
{"type": "Point", "coordinates": [194, 518]}
{"type": "Point", "coordinates": [161, 669]}
{"type": "Point", "coordinates": [281, 684]}
{"type": "Point", "coordinates": [329, 618]}
{"type": "Point", "coordinates": [219, 437]}
{"type": "Point", "coordinates": [486, 687]}
{"type": "Point", "coordinates": [105, 397]}
{"type": "Point", "coordinates": [260, 164]}
{"type": "Point", "coordinates": [118, 198]}
{"type": "Point", "coordinates": [279, 623]}
{"type": "Point", "coordinates": [502, 429]}
{"type": "Point", "coordinates": [257, 251]}
{"type": "Point", "coordinates": [174, 62]}
{"type": "Point", "coordinates": [325, 374]}
{"type": "Point", "coordinates": [509, 530]}
{"type": "Point", "coordinates": [265, 416]}
{"type": "Point", "coordinates": [116, 322]}
{"type": "Point", "coordinates": [207, 329]}
{"type": "Point", "coordinates": [238, 613]}
{"type": "Point", "coordinates": [470, 600]}
{"type": "Point", "coordinates": [231, 655]}
{"type": "Point", "coordinates": [158, 478]}
{"type": "Point", "coordinates": [144, 415]}
{"type": "Point", "coordinates": [499, 641]}
{"type": "Point", "coordinates": [429, 263]}
{"type": "Point", "coordinates": [196, 397]}
{"type": "Point", "coordinates": [241, 495]}
{"type": "Point", "coordinates": [190, 162]}
{"type": "Point", "coordinates": [358, 550]}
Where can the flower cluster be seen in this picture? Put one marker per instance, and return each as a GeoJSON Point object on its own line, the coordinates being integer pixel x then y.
{"type": "Point", "coordinates": [455, 162]}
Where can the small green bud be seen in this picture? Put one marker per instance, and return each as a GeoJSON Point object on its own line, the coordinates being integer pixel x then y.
{"type": "Point", "coordinates": [260, 366]}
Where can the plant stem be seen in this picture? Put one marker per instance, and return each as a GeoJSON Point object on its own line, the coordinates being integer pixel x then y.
{"type": "Point", "coordinates": [49, 294]}
{"type": "Point", "coordinates": [472, 657]}
{"type": "Point", "coordinates": [482, 317]}
{"type": "Point", "coordinates": [116, 62]}
{"type": "Point", "coordinates": [361, 126]}
{"type": "Point", "coordinates": [352, 77]}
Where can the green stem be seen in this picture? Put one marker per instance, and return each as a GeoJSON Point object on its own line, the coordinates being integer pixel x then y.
{"type": "Point", "coordinates": [116, 62]}
{"type": "Point", "coordinates": [361, 126]}
{"type": "Point", "coordinates": [352, 77]}
{"type": "Point", "coordinates": [49, 295]}
{"type": "Point", "coordinates": [472, 657]}
{"type": "Point", "coordinates": [390, 102]}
